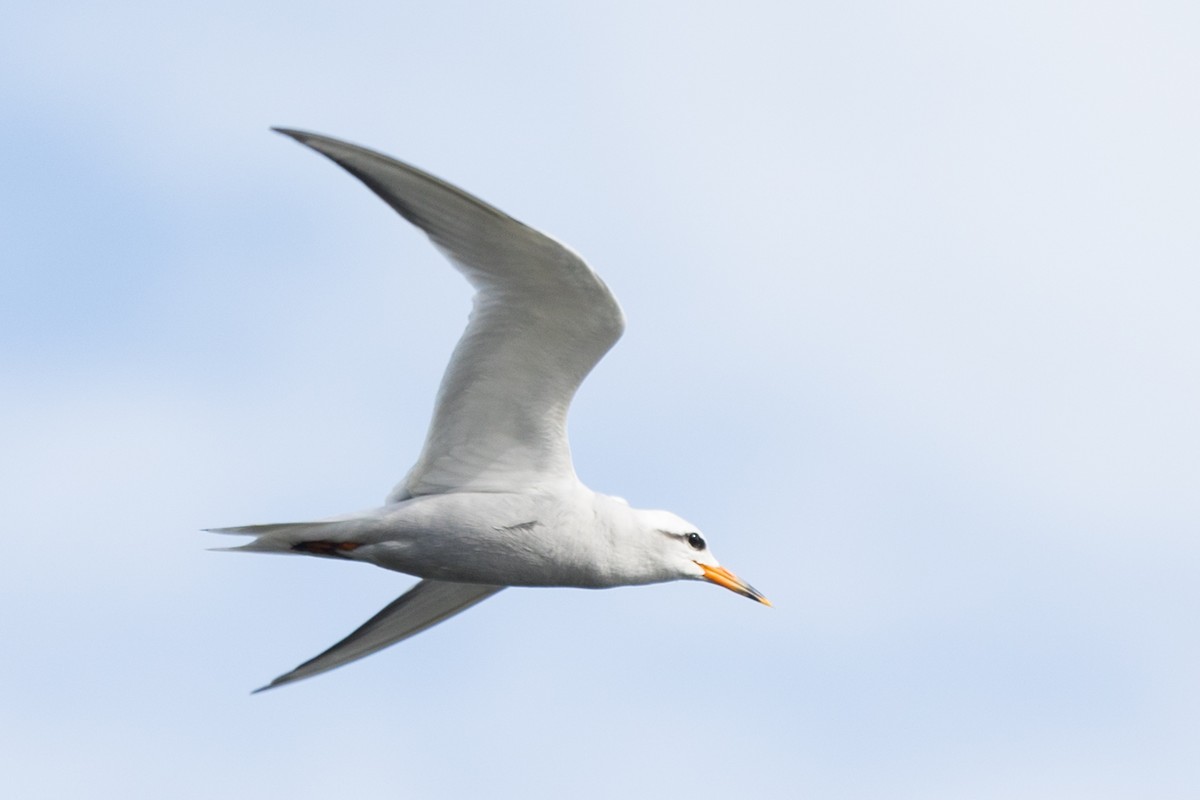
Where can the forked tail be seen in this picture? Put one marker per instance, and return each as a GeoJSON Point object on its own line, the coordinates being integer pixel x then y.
{"type": "Point", "coordinates": [333, 538]}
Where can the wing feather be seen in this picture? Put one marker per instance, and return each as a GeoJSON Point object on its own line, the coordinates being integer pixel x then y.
{"type": "Point", "coordinates": [421, 607]}
{"type": "Point", "coordinates": [541, 319]}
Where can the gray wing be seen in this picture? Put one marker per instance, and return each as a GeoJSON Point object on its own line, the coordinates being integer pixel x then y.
{"type": "Point", "coordinates": [421, 607]}
{"type": "Point", "coordinates": [541, 320]}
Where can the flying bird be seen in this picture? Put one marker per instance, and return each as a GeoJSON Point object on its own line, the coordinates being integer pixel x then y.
{"type": "Point", "coordinates": [493, 500]}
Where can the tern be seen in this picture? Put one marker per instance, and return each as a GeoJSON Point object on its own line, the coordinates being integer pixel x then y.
{"type": "Point", "coordinates": [493, 500]}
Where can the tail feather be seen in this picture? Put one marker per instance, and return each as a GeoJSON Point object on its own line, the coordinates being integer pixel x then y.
{"type": "Point", "coordinates": [298, 537]}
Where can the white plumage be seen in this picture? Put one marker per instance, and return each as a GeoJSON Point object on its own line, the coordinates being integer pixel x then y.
{"type": "Point", "coordinates": [493, 499]}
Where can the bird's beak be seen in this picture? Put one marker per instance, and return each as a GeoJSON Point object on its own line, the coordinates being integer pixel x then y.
{"type": "Point", "coordinates": [723, 577]}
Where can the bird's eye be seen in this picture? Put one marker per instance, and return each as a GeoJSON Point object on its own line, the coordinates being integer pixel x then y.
{"type": "Point", "coordinates": [696, 541]}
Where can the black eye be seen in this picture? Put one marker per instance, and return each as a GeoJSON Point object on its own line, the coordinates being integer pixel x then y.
{"type": "Point", "coordinates": [696, 541]}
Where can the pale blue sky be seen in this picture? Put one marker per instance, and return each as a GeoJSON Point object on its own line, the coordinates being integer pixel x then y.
{"type": "Point", "coordinates": [913, 335]}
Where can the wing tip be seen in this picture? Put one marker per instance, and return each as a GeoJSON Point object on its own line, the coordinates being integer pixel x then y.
{"type": "Point", "coordinates": [272, 685]}
{"type": "Point", "coordinates": [306, 138]}
{"type": "Point", "coordinates": [286, 678]}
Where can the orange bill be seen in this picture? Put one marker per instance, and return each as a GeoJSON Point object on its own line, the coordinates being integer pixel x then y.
{"type": "Point", "coordinates": [723, 577]}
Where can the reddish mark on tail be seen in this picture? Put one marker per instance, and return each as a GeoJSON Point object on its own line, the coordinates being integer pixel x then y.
{"type": "Point", "coordinates": [324, 547]}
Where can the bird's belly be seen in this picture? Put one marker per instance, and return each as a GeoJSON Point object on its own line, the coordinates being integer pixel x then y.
{"type": "Point", "coordinates": [484, 560]}
{"type": "Point", "coordinates": [502, 541]}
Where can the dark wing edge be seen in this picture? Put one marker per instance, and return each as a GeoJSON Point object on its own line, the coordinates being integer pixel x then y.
{"type": "Point", "coordinates": [421, 607]}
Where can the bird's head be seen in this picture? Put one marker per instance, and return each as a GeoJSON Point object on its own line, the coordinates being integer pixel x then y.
{"type": "Point", "coordinates": [685, 552]}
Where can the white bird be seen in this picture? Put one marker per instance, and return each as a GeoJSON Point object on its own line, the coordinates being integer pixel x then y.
{"type": "Point", "coordinates": [493, 500]}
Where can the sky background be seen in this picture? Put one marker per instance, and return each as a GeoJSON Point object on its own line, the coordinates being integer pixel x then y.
{"type": "Point", "coordinates": [913, 297]}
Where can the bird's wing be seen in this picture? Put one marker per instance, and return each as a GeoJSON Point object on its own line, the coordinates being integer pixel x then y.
{"type": "Point", "coordinates": [421, 607]}
{"type": "Point", "coordinates": [541, 320]}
